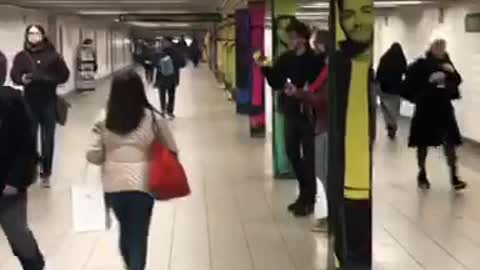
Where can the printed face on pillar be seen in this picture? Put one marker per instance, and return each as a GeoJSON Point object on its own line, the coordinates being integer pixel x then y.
{"type": "Point", "coordinates": [34, 35]}
{"type": "Point", "coordinates": [357, 19]}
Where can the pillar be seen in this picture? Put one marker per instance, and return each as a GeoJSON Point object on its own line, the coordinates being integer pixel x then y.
{"type": "Point", "coordinates": [257, 31]}
{"type": "Point", "coordinates": [282, 12]}
{"type": "Point", "coordinates": [351, 134]}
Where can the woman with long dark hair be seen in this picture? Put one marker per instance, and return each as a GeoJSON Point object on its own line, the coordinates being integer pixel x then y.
{"type": "Point", "coordinates": [40, 69]}
{"type": "Point", "coordinates": [391, 69]}
{"type": "Point", "coordinates": [432, 82]}
{"type": "Point", "coordinates": [122, 147]}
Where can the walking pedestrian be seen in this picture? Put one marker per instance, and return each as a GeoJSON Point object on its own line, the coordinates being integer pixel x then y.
{"type": "Point", "coordinates": [390, 72]}
{"type": "Point", "coordinates": [432, 82]}
{"type": "Point", "coordinates": [39, 68]}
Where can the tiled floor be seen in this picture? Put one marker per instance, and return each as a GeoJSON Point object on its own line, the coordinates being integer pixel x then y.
{"type": "Point", "coordinates": [235, 218]}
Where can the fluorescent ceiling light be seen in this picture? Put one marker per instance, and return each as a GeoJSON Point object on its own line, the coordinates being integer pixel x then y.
{"type": "Point", "coordinates": [160, 24]}
{"type": "Point", "coordinates": [123, 12]}
{"type": "Point", "coordinates": [312, 14]}
{"type": "Point", "coordinates": [379, 4]}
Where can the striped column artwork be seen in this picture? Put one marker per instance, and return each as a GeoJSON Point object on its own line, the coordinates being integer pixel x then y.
{"type": "Point", "coordinates": [257, 32]}
{"type": "Point", "coordinates": [244, 61]}
{"type": "Point", "coordinates": [351, 134]}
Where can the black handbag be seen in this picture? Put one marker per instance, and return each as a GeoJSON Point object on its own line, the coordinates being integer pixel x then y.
{"type": "Point", "coordinates": [62, 108]}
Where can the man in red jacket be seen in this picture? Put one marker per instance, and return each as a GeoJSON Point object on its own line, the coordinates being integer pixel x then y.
{"type": "Point", "coordinates": [18, 166]}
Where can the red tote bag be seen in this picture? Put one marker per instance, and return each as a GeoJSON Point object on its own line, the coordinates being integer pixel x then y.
{"type": "Point", "coordinates": [168, 179]}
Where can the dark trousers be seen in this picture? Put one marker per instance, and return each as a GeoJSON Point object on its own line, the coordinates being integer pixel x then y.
{"type": "Point", "coordinates": [133, 211]}
{"type": "Point", "coordinates": [168, 105]}
{"type": "Point", "coordinates": [300, 146]}
{"type": "Point", "coordinates": [149, 70]}
{"type": "Point", "coordinates": [45, 118]}
{"type": "Point", "coordinates": [450, 154]}
{"type": "Point", "coordinates": [13, 220]}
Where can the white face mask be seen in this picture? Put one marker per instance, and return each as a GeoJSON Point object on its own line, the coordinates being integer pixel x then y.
{"type": "Point", "coordinates": [34, 36]}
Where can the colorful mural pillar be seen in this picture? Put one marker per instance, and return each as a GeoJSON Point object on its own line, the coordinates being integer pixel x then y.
{"type": "Point", "coordinates": [244, 61]}
{"type": "Point", "coordinates": [351, 134]}
{"type": "Point", "coordinates": [257, 26]}
{"type": "Point", "coordinates": [282, 13]}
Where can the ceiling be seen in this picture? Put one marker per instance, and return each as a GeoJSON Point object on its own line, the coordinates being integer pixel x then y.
{"type": "Point", "coordinates": [160, 15]}
{"type": "Point", "coordinates": [102, 7]}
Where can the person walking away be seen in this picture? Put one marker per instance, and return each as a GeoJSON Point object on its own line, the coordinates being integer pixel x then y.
{"type": "Point", "coordinates": [122, 147]}
{"type": "Point", "coordinates": [167, 88]}
{"type": "Point", "coordinates": [40, 69]}
{"type": "Point", "coordinates": [390, 72]}
{"type": "Point", "coordinates": [431, 84]}
{"type": "Point", "coordinates": [18, 169]}
{"type": "Point", "coordinates": [195, 52]}
{"type": "Point", "coordinates": [148, 62]}
{"type": "Point", "coordinates": [299, 66]}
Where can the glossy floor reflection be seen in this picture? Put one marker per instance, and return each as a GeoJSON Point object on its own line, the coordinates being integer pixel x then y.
{"type": "Point", "coordinates": [236, 217]}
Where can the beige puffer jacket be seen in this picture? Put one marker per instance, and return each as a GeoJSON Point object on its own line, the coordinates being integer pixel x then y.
{"type": "Point", "coordinates": [125, 159]}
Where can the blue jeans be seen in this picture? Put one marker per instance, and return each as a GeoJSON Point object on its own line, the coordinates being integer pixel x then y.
{"type": "Point", "coordinates": [13, 221]}
{"type": "Point", "coordinates": [133, 211]}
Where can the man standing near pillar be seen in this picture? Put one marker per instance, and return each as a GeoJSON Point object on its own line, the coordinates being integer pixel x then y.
{"type": "Point", "coordinates": [296, 69]}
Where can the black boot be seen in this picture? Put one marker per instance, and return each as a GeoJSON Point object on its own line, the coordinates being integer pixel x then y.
{"type": "Point", "coordinates": [304, 210]}
{"type": "Point", "coordinates": [291, 207]}
{"type": "Point", "coordinates": [458, 184]}
{"type": "Point", "coordinates": [391, 132]}
{"type": "Point", "coordinates": [423, 182]}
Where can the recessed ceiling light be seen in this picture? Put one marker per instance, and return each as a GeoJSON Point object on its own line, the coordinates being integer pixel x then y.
{"type": "Point", "coordinates": [160, 24]}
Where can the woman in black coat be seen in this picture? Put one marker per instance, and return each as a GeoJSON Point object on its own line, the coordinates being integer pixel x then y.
{"type": "Point", "coordinates": [431, 84]}
{"type": "Point", "coordinates": [39, 68]}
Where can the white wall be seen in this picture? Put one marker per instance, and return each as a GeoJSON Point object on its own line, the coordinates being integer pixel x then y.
{"type": "Point", "coordinates": [416, 27]}
{"type": "Point", "coordinates": [108, 42]}
{"type": "Point", "coordinates": [14, 20]}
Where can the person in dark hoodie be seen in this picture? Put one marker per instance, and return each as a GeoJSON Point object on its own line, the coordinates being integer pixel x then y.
{"type": "Point", "coordinates": [18, 161]}
{"type": "Point", "coordinates": [297, 68]}
{"type": "Point", "coordinates": [40, 69]}
{"type": "Point", "coordinates": [431, 83]}
{"type": "Point", "coordinates": [391, 69]}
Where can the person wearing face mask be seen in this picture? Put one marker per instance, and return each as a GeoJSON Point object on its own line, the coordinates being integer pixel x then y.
{"type": "Point", "coordinates": [296, 69]}
{"type": "Point", "coordinates": [432, 83]}
{"type": "Point", "coordinates": [18, 161]}
{"type": "Point", "coordinates": [40, 69]}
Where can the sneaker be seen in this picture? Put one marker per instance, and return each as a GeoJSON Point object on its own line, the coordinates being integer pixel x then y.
{"type": "Point", "coordinates": [171, 116]}
{"type": "Point", "coordinates": [45, 182]}
{"type": "Point", "coordinates": [321, 226]}
{"type": "Point", "coordinates": [303, 210]}
{"type": "Point", "coordinates": [423, 182]}
{"type": "Point", "coordinates": [458, 184]}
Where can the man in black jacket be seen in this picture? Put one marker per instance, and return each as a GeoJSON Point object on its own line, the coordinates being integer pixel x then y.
{"type": "Point", "coordinates": [298, 68]}
{"type": "Point", "coordinates": [18, 165]}
{"type": "Point", "coordinates": [168, 84]}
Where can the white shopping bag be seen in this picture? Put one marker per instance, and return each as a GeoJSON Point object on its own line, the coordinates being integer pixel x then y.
{"type": "Point", "coordinates": [88, 206]}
